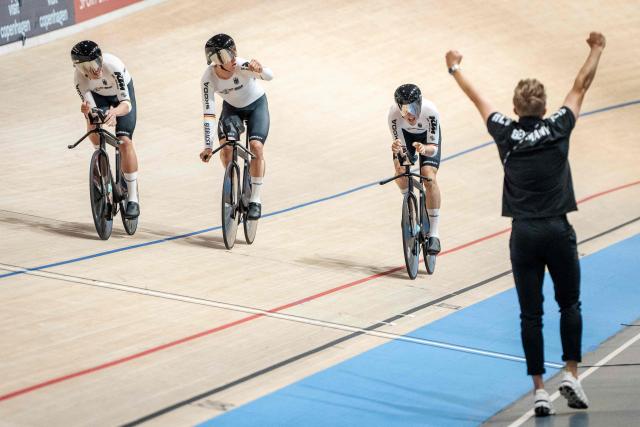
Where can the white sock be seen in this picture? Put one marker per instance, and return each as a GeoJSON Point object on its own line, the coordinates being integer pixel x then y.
{"type": "Point", "coordinates": [256, 186]}
{"type": "Point", "coordinates": [132, 187]}
{"type": "Point", "coordinates": [404, 190]}
{"type": "Point", "coordinates": [434, 217]}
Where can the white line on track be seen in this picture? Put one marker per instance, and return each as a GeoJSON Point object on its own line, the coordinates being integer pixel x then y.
{"type": "Point", "coordinates": [267, 313]}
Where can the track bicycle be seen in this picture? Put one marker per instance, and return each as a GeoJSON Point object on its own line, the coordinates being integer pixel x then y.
{"type": "Point", "coordinates": [106, 198]}
{"type": "Point", "coordinates": [236, 187]}
{"type": "Point", "coordinates": [415, 222]}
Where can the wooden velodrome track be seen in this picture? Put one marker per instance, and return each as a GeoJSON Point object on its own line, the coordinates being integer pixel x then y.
{"type": "Point", "coordinates": [106, 332]}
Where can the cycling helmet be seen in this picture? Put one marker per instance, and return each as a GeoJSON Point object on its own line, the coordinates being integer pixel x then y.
{"type": "Point", "coordinates": [409, 99]}
{"type": "Point", "coordinates": [220, 49]}
{"type": "Point", "coordinates": [87, 56]}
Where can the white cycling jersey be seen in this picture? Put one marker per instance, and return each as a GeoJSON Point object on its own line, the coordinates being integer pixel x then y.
{"type": "Point", "coordinates": [112, 82]}
{"type": "Point", "coordinates": [428, 122]}
{"type": "Point", "coordinates": [240, 90]}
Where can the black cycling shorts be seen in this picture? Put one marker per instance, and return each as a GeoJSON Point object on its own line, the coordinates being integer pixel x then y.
{"type": "Point", "coordinates": [410, 138]}
{"type": "Point", "coordinates": [125, 125]}
{"type": "Point", "coordinates": [256, 114]}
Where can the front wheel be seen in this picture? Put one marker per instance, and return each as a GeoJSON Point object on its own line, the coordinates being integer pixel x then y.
{"type": "Point", "coordinates": [101, 193]}
{"type": "Point", "coordinates": [410, 235]}
{"type": "Point", "coordinates": [230, 204]}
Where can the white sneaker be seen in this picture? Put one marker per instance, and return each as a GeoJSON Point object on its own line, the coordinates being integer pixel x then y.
{"type": "Point", "coordinates": [571, 389]}
{"type": "Point", "coordinates": [542, 405]}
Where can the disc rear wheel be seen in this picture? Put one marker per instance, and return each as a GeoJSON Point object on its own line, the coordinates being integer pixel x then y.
{"type": "Point", "coordinates": [130, 225]}
{"type": "Point", "coordinates": [429, 259]}
{"type": "Point", "coordinates": [250, 225]}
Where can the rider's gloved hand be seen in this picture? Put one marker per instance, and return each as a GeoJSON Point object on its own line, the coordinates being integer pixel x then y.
{"type": "Point", "coordinates": [85, 107]}
{"type": "Point", "coordinates": [205, 155]}
{"type": "Point", "coordinates": [426, 150]}
{"type": "Point", "coordinates": [396, 147]}
{"type": "Point", "coordinates": [110, 117]}
{"type": "Point", "coordinates": [255, 66]}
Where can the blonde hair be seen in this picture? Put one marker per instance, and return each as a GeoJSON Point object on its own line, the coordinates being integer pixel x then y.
{"type": "Point", "coordinates": [529, 98]}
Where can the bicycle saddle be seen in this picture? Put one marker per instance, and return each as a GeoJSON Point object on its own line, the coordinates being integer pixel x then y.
{"type": "Point", "coordinates": [233, 127]}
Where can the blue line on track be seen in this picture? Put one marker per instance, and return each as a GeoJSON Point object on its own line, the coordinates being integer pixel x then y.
{"type": "Point", "coordinates": [278, 212]}
{"type": "Point", "coordinates": [403, 384]}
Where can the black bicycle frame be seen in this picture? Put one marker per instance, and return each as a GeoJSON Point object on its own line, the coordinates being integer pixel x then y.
{"type": "Point", "coordinates": [411, 184]}
{"type": "Point", "coordinates": [244, 153]}
{"type": "Point", "coordinates": [105, 137]}
{"type": "Point", "coordinates": [409, 175]}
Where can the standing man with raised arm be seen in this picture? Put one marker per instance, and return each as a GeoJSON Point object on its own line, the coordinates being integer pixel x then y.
{"type": "Point", "coordinates": [537, 194]}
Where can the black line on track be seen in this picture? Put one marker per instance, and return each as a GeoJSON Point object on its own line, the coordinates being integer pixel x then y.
{"type": "Point", "coordinates": [310, 352]}
{"type": "Point", "coordinates": [335, 342]}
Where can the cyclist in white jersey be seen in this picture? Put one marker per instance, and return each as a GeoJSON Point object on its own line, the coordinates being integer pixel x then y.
{"type": "Point", "coordinates": [102, 81]}
{"type": "Point", "coordinates": [235, 80]}
{"type": "Point", "coordinates": [414, 123]}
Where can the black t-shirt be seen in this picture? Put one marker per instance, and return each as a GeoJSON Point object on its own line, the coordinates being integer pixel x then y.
{"type": "Point", "coordinates": [534, 152]}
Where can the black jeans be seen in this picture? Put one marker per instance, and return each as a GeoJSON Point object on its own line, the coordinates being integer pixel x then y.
{"type": "Point", "coordinates": [534, 245]}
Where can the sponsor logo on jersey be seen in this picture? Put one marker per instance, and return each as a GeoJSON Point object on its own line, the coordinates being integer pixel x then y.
{"type": "Point", "coordinates": [101, 88]}
{"type": "Point", "coordinates": [236, 80]}
{"type": "Point", "coordinates": [207, 134]}
{"type": "Point", "coordinates": [104, 82]}
{"type": "Point", "coordinates": [80, 92]}
{"type": "Point", "coordinates": [119, 79]}
{"type": "Point", "coordinates": [205, 92]}
{"type": "Point", "coordinates": [419, 125]}
{"type": "Point", "coordinates": [394, 129]}
{"type": "Point", "coordinates": [227, 91]}
{"type": "Point", "coordinates": [433, 124]}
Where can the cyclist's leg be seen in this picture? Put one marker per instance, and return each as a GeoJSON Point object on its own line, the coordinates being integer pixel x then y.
{"type": "Point", "coordinates": [226, 153]}
{"type": "Point", "coordinates": [429, 167]}
{"type": "Point", "coordinates": [258, 128]}
{"type": "Point", "coordinates": [125, 126]}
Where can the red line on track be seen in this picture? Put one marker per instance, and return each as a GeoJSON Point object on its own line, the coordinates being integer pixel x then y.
{"type": "Point", "coordinates": [273, 310]}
